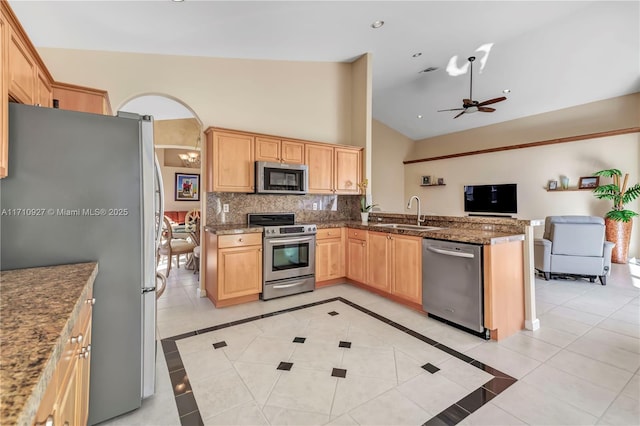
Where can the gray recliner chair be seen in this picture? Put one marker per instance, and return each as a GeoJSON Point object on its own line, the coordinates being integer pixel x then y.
{"type": "Point", "coordinates": [574, 245]}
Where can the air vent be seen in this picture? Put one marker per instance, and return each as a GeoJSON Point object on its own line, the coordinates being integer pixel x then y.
{"type": "Point", "coordinates": [429, 69]}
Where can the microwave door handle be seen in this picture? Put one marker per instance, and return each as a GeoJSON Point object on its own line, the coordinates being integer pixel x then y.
{"type": "Point", "coordinates": [289, 240]}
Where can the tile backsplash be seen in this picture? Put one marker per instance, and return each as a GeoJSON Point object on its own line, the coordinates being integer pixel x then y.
{"type": "Point", "coordinates": [329, 207]}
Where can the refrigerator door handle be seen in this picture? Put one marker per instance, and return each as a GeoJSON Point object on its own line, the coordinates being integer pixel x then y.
{"type": "Point", "coordinates": [148, 289]}
{"type": "Point", "coordinates": [160, 190]}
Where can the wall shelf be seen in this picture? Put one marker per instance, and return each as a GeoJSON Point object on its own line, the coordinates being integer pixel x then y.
{"type": "Point", "coordinates": [436, 184]}
{"type": "Point", "coordinates": [569, 189]}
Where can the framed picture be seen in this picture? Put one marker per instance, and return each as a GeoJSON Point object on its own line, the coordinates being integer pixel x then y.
{"type": "Point", "coordinates": [553, 185]}
{"type": "Point", "coordinates": [589, 182]}
{"type": "Point", "coordinates": [187, 187]}
{"type": "Point", "coordinates": [426, 180]}
{"type": "Point", "coordinates": [440, 181]}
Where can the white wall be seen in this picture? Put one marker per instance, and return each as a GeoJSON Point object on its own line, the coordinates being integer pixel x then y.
{"type": "Point", "coordinates": [306, 100]}
{"type": "Point", "coordinates": [531, 169]}
{"type": "Point", "coordinates": [390, 149]}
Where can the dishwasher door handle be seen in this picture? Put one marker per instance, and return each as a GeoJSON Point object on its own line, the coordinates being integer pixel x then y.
{"type": "Point", "coordinates": [450, 253]}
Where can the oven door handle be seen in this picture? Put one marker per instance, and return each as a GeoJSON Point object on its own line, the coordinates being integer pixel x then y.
{"type": "Point", "coordinates": [289, 285]}
{"type": "Point", "coordinates": [288, 240]}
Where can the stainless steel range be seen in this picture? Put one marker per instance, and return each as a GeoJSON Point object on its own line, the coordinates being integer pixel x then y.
{"type": "Point", "coordinates": [289, 254]}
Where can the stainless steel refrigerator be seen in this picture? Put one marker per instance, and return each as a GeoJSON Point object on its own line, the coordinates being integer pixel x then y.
{"type": "Point", "coordinates": [95, 180]}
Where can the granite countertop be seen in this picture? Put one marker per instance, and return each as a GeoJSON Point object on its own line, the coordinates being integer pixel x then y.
{"type": "Point", "coordinates": [39, 307]}
{"type": "Point", "coordinates": [464, 235]}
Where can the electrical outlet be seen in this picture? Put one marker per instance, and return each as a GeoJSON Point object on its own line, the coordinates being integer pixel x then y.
{"type": "Point", "coordinates": [225, 208]}
{"type": "Point", "coordinates": [315, 206]}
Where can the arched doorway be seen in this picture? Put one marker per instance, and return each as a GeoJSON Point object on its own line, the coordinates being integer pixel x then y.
{"type": "Point", "coordinates": [178, 145]}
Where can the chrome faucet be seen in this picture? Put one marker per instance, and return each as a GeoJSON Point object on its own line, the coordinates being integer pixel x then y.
{"type": "Point", "coordinates": [419, 221]}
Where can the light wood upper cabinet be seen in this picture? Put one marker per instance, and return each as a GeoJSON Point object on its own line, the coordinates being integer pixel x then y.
{"type": "Point", "coordinates": [333, 169]}
{"type": "Point", "coordinates": [22, 70]}
{"type": "Point", "coordinates": [233, 158]}
{"type": "Point", "coordinates": [320, 164]}
{"type": "Point", "coordinates": [44, 92]}
{"type": "Point", "coordinates": [4, 107]}
{"type": "Point", "coordinates": [279, 151]}
{"type": "Point", "coordinates": [79, 98]}
{"type": "Point", "coordinates": [348, 166]}
{"type": "Point", "coordinates": [329, 254]}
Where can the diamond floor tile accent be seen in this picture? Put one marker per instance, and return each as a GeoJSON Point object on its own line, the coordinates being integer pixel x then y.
{"type": "Point", "coordinates": [219, 345]}
{"type": "Point", "coordinates": [431, 368]}
{"type": "Point", "coordinates": [344, 344]}
{"type": "Point", "coordinates": [285, 366]}
{"type": "Point", "coordinates": [333, 313]}
{"type": "Point", "coordinates": [339, 372]}
{"type": "Point", "coordinates": [299, 339]}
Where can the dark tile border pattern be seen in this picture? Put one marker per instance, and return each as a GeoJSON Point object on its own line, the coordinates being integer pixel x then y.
{"type": "Point", "coordinates": [452, 415]}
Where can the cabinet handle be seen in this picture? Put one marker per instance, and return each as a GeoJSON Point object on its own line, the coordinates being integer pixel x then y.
{"type": "Point", "coordinates": [76, 339]}
{"type": "Point", "coordinates": [91, 301]}
{"type": "Point", "coordinates": [47, 422]}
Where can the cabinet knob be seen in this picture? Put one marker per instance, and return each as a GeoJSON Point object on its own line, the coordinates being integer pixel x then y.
{"type": "Point", "coordinates": [77, 339]}
{"type": "Point", "coordinates": [363, 244]}
{"type": "Point", "coordinates": [240, 239]}
{"type": "Point", "coordinates": [91, 301]}
{"type": "Point", "coordinates": [84, 355]}
{"type": "Point", "coordinates": [85, 349]}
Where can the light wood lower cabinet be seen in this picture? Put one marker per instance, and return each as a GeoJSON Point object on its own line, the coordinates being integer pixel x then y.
{"type": "Point", "coordinates": [234, 268]}
{"type": "Point", "coordinates": [66, 399]}
{"type": "Point", "coordinates": [329, 254]}
{"type": "Point", "coordinates": [356, 257]}
{"type": "Point", "coordinates": [395, 265]}
{"type": "Point", "coordinates": [406, 270]}
{"type": "Point", "coordinates": [504, 288]}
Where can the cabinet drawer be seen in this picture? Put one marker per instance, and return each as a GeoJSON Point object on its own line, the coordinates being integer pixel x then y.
{"type": "Point", "coordinates": [357, 234]}
{"type": "Point", "coordinates": [239, 240]}
{"type": "Point", "coordinates": [323, 234]}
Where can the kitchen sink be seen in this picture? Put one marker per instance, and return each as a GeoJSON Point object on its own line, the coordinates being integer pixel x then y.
{"type": "Point", "coordinates": [406, 226]}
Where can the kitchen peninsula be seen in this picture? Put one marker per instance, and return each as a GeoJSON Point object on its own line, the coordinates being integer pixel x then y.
{"type": "Point", "coordinates": [353, 253]}
{"type": "Point", "coordinates": [43, 370]}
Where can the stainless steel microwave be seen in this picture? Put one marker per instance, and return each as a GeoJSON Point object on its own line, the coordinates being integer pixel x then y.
{"type": "Point", "coordinates": [281, 178]}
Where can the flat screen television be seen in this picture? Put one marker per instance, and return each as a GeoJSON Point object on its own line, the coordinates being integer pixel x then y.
{"type": "Point", "coordinates": [499, 199]}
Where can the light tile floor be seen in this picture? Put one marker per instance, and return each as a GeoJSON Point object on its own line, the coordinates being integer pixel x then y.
{"type": "Point", "coordinates": [581, 367]}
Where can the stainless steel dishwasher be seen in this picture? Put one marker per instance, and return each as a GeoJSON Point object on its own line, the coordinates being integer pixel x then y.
{"type": "Point", "coordinates": [452, 282]}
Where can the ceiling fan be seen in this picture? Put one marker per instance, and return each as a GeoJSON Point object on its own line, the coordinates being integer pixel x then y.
{"type": "Point", "coordinates": [469, 105]}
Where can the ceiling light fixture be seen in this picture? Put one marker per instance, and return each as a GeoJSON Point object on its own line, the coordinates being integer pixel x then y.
{"type": "Point", "coordinates": [415, 55]}
{"type": "Point", "coordinates": [506, 91]}
{"type": "Point", "coordinates": [192, 159]}
{"type": "Point", "coordinates": [419, 115]}
{"type": "Point", "coordinates": [377, 24]}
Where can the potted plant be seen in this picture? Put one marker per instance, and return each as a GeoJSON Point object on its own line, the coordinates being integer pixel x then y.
{"type": "Point", "coordinates": [618, 220]}
{"type": "Point", "coordinates": [364, 207]}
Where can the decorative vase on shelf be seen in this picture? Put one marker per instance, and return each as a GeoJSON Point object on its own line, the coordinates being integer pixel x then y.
{"type": "Point", "coordinates": [564, 181]}
{"type": "Point", "coordinates": [365, 217]}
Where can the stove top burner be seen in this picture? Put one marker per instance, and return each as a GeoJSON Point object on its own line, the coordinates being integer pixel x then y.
{"type": "Point", "coordinates": [280, 224]}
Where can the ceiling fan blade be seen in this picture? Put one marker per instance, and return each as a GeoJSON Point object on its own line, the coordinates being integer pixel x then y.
{"type": "Point", "coordinates": [492, 101]}
{"type": "Point", "coordinates": [486, 109]}
{"type": "Point", "coordinates": [454, 109]}
{"type": "Point", "coordinates": [460, 114]}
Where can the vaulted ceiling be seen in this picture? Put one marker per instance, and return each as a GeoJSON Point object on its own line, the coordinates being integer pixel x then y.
{"type": "Point", "coordinates": [549, 54]}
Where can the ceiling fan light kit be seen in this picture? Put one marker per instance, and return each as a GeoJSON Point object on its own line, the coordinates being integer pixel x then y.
{"type": "Point", "coordinates": [470, 106]}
